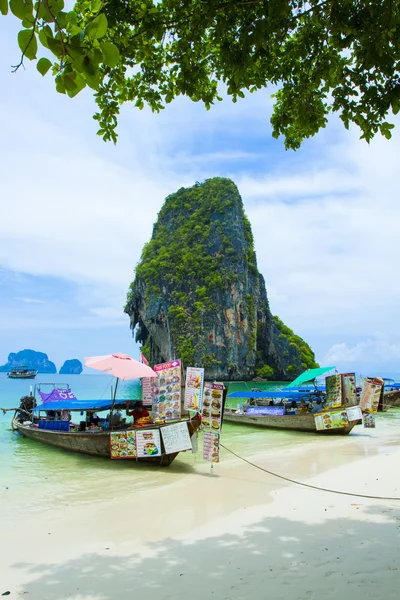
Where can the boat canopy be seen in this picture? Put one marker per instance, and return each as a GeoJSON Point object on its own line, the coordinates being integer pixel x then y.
{"type": "Point", "coordinates": [309, 376]}
{"type": "Point", "coordinates": [80, 404]}
{"type": "Point", "coordinates": [288, 395]}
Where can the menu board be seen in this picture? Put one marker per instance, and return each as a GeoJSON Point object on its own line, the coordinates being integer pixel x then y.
{"type": "Point", "coordinates": [333, 391]}
{"type": "Point", "coordinates": [349, 389]}
{"type": "Point", "coordinates": [211, 446]}
{"type": "Point", "coordinates": [369, 420]}
{"type": "Point", "coordinates": [176, 438]}
{"type": "Point", "coordinates": [148, 443]}
{"type": "Point", "coordinates": [211, 415]}
{"type": "Point", "coordinates": [122, 444]}
{"type": "Point", "coordinates": [166, 388]}
{"type": "Point", "coordinates": [194, 389]}
{"type": "Point", "coordinates": [331, 420]}
{"type": "Point", "coordinates": [370, 394]}
{"type": "Point", "coordinates": [354, 413]}
{"type": "Point", "coordinates": [147, 391]}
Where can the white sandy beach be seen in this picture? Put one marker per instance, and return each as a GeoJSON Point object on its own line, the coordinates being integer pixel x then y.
{"type": "Point", "coordinates": [239, 533]}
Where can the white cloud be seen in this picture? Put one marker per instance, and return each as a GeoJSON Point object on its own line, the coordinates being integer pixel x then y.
{"type": "Point", "coordinates": [373, 351]}
{"type": "Point", "coordinates": [30, 300]}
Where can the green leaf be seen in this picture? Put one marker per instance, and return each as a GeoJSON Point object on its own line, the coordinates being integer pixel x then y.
{"type": "Point", "coordinates": [111, 56]}
{"type": "Point", "coordinates": [20, 8]}
{"type": "Point", "coordinates": [79, 85]}
{"type": "Point", "coordinates": [3, 7]}
{"type": "Point", "coordinates": [44, 34]}
{"type": "Point", "coordinates": [43, 65]}
{"type": "Point", "coordinates": [28, 43]}
{"type": "Point", "coordinates": [60, 87]}
{"type": "Point", "coordinates": [97, 28]}
{"type": "Point", "coordinates": [28, 21]}
{"type": "Point", "coordinates": [55, 47]}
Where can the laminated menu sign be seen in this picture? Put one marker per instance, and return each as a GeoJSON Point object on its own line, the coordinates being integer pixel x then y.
{"type": "Point", "coordinates": [176, 438]}
{"type": "Point", "coordinates": [194, 388]}
{"type": "Point", "coordinates": [369, 420]}
{"type": "Point", "coordinates": [349, 388]}
{"type": "Point", "coordinates": [331, 420]}
{"type": "Point", "coordinates": [166, 388]}
{"type": "Point", "coordinates": [212, 406]}
{"type": "Point", "coordinates": [148, 443]}
{"type": "Point", "coordinates": [370, 394]}
{"type": "Point", "coordinates": [147, 391]}
{"type": "Point", "coordinates": [122, 444]}
{"type": "Point", "coordinates": [333, 391]}
{"type": "Point", "coordinates": [211, 446]}
{"type": "Point", "coordinates": [354, 413]}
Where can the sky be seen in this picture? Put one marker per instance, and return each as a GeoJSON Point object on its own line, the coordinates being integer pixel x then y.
{"type": "Point", "coordinates": [76, 212]}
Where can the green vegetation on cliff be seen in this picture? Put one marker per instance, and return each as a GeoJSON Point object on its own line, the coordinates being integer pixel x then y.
{"type": "Point", "coordinates": [198, 295]}
{"type": "Point", "coordinates": [306, 354]}
{"type": "Point", "coordinates": [190, 244]}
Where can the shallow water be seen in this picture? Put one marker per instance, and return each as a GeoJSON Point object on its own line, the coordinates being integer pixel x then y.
{"type": "Point", "coordinates": [35, 477]}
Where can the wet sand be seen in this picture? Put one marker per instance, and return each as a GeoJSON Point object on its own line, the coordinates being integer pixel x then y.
{"type": "Point", "coordinates": [233, 534]}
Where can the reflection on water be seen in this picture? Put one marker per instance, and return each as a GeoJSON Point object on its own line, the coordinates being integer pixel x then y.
{"type": "Point", "coordinates": [34, 477]}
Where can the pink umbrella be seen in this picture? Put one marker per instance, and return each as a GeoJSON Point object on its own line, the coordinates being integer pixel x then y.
{"type": "Point", "coordinates": [121, 366]}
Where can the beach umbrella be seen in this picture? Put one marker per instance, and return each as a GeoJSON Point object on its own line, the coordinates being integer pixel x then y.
{"type": "Point", "coordinates": [122, 366]}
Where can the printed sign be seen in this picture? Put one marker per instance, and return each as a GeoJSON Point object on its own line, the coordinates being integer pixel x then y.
{"type": "Point", "coordinates": [148, 443]}
{"type": "Point", "coordinates": [194, 389]}
{"type": "Point", "coordinates": [349, 389]}
{"type": "Point", "coordinates": [265, 410]}
{"type": "Point", "coordinates": [166, 392]}
{"type": "Point", "coordinates": [370, 394]}
{"type": "Point", "coordinates": [333, 391]}
{"type": "Point", "coordinates": [354, 413]}
{"type": "Point", "coordinates": [176, 438]}
{"type": "Point", "coordinates": [331, 420]}
{"type": "Point", "coordinates": [211, 446]}
{"type": "Point", "coordinates": [212, 406]}
{"type": "Point", "coordinates": [122, 444]}
{"type": "Point", "coordinates": [369, 420]}
{"type": "Point", "coordinates": [147, 391]}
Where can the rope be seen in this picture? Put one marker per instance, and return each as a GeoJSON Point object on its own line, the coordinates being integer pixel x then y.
{"type": "Point", "coordinates": [106, 388]}
{"type": "Point", "coordinates": [308, 485]}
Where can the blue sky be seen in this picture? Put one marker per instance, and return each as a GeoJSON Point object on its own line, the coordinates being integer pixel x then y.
{"type": "Point", "coordinates": [75, 213]}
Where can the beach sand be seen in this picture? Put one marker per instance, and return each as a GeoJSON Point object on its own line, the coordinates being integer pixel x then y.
{"type": "Point", "coordinates": [238, 533]}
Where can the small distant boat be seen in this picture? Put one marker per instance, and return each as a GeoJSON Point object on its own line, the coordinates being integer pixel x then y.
{"type": "Point", "coordinates": [22, 373]}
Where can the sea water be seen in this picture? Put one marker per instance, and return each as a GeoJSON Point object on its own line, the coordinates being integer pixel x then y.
{"type": "Point", "coordinates": [34, 477]}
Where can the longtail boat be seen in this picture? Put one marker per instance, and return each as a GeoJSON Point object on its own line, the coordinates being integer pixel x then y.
{"type": "Point", "coordinates": [274, 417]}
{"type": "Point", "coordinates": [45, 424]}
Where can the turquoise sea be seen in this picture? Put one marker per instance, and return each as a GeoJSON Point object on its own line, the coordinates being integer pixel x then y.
{"type": "Point", "coordinates": [34, 477]}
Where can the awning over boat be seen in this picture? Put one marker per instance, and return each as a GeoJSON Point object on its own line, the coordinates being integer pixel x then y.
{"type": "Point", "coordinates": [80, 405]}
{"type": "Point", "coordinates": [309, 376]}
{"type": "Point", "coordinates": [288, 395]}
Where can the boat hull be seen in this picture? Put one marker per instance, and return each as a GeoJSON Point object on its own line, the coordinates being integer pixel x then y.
{"type": "Point", "coordinates": [93, 443]}
{"type": "Point", "coordinates": [288, 422]}
{"type": "Point", "coordinates": [390, 399]}
{"type": "Point", "coordinates": [14, 376]}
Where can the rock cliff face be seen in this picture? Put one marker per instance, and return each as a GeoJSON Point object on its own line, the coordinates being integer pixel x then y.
{"type": "Point", "coordinates": [71, 367]}
{"type": "Point", "coordinates": [198, 295]}
{"type": "Point", "coordinates": [31, 359]}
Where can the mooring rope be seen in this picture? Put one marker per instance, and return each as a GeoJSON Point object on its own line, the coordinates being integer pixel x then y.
{"type": "Point", "coordinates": [308, 485]}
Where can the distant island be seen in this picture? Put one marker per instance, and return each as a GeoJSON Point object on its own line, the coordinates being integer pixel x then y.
{"type": "Point", "coordinates": [31, 359]}
{"type": "Point", "coordinates": [71, 367]}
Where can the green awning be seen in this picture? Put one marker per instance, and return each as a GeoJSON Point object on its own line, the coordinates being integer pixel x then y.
{"type": "Point", "coordinates": [309, 376]}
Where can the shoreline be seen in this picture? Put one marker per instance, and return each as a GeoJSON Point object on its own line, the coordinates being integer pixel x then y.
{"type": "Point", "coordinates": [196, 535]}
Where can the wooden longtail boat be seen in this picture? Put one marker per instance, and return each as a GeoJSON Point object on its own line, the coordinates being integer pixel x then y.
{"type": "Point", "coordinates": [390, 398]}
{"type": "Point", "coordinates": [96, 443]}
{"type": "Point", "coordinates": [289, 422]}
